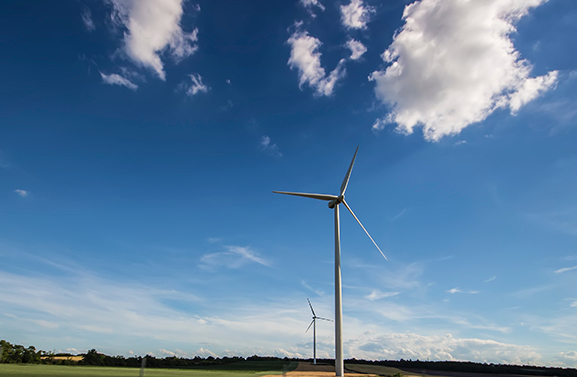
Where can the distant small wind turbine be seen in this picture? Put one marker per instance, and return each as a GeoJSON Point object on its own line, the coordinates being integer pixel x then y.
{"type": "Point", "coordinates": [334, 202]}
{"type": "Point", "coordinates": [314, 325]}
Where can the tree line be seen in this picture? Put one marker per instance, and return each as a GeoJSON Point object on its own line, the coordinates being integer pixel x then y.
{"type": "Point", "coordinates": [10, 353]}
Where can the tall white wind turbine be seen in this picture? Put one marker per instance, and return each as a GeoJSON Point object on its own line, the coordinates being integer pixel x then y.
{"type": "Point", "coordinates": [314, 325]}
{"type": "Point", "coordinates": [334, 202]}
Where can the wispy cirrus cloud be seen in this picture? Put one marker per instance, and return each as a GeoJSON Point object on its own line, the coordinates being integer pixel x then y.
{"type": "Point", "coordinates": [566, 269]}
{"type": "Point", "coordinates": [458, 290]}
{"type": "Point", "coordinates": [377, 295]}
{"type": "Point", "coordinates": [87, 19]}
{"type": "Point", "coordinates": [356, 14]}
{"type": "Point", "coordinates": [234, 257]}
{"type": "Point", "coordinates": [116, 79]}
{"type": "Point", "coordinates": [318, 292]}
{"type": "Point", "coordinates": [153, 28]}
{"type": "Point", "coordinates": [476, 71]}
{"type": "Point", "coordinates": [269, 147]}
{"type": "Point", "coordinates": [306, 59]}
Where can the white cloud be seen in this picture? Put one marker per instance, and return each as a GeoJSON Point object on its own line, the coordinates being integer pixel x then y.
{"type": "Point", "coordinates": [357, 49]}
{"type": "Point", "coordinates": [356, 14]}
{"type": "Point", "coordinates": [561, 270]}
{"type": "Point", "coordinates": [377, 295]}
{"type": "Point", "coordinates": [121, 310]}
{"type": "Point", "coordinates": [567, 358]}
{"type": "Point", "coordinates": [116, 79]}
{"type": "Point", "coordinates": [414, 346]}
{"type": "Point", "coordinates": [310, 4]}
{"type": "Point", "coordinates": [453, 63]}
{"type": "Point", "coordinates": [195, 86]}
{"type": "Point", "coordinates": [574, 304]}
{"type": "Point", "coordinates": [22, 193]}
{"type": "Point", "coordinates": [234, 257]}
{"type": "Point", "coordinates": [457, 290]}
{"type": "Point", "coordinates": [307, 60]}
{"type": "Point", "coordinates": [153, 26]}
{"type": "Point", "coordinates": [87, 19]}
{"type": "Point", "coordinates": [490, 279]}
{"type": "Point", "coordinates": [531, 89]}
{"type": "Point", "coordinates": [269, 147]}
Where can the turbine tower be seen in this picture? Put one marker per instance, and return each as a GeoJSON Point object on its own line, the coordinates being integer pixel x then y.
{"type": "Point", "coordinates": [334, 202]}
{"type": "Point", "coordinates": [314, 325]}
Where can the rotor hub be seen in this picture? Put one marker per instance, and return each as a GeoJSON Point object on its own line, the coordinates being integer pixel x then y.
{"type": "Point", "coordinates": [336, 201]}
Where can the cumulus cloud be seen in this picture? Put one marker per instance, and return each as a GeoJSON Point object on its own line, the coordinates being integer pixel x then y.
{"type": "Point", "coordinates": [413, 346]}
{"type": "Point", "coordinates": [195, 86]}
{"type": "Point", "coordinates": [22, 193]}
{"type": "Point", "coordinates": [307, 60]}
{"type": "Point", "coordinates": [567, 358]}
{"type": "Point", "coordinates": [87, 19]}
{"type": "Point", "coordinates": [153, 27]}
{"type": "Point", "coordinates": [453, 63]}
{"type": "Point", "coordinates": [116, 79]}
{"type": "Point", "coordinates": [356, 14]}
{"type": "Point", "coordinates": [234, 257]}
{"type": "Point", "coordinates": [357, 49]}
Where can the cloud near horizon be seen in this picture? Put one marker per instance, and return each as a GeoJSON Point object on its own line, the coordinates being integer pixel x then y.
{"type": "Point", "coordinates": [453, 63]}
{"type": "Point", "coordinates": [414, 346]}
{"type": "Point", "coordinates": [61, 306]}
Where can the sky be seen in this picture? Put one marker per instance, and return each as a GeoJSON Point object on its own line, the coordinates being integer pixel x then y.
{"type": "Point", "coordinates": [140, 142]}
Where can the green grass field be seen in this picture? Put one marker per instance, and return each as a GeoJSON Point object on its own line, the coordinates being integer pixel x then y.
{"type": "Point", "coordinates": [244, 370]}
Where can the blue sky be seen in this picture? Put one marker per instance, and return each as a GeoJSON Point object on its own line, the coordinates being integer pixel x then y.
{"type": "Point", "coordinates": [140, 142]}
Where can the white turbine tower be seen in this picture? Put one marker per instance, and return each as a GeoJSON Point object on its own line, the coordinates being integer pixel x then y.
{"type": "Point", "coordinates": [334, 202]}
{"type": "Point", "coordinates": [314, 325]}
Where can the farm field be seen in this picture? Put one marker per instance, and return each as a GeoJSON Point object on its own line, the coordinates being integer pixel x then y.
{"type": "Point", "coordinates": [40, 370]}
{"type": "Point", "coordinates": [384, 371]}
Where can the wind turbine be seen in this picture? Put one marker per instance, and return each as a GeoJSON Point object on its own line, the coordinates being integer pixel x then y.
{"type": "Point", "coordinates": [334, 202]}
{"type": "Point", "coordinates": [314, 325]}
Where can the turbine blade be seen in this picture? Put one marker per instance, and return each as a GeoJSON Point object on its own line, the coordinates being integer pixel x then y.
{"type": "Point", "coordinates": [311, 305]}
{"type": "Point", "coordinates": [326, 319]}
{"type": "Point", "coordinates": [310, 326]}
{"type": "Point", "coordinates": [346, 180]}
{"type": "Point", "coordinates": [312, 196]}
{"type": "Point", "coordinates": [356, 218]}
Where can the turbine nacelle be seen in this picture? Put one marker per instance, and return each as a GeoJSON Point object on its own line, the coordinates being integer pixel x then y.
{"type": "Point", "coordinates": [336, 201]}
